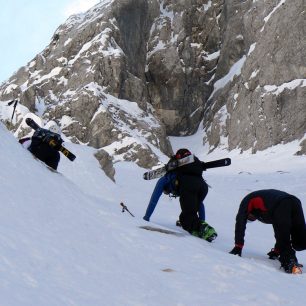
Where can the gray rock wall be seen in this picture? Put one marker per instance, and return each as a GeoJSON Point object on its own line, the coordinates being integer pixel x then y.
{"type": "Point", "coordinates": [129, 73]}
{"type": "Point", "coordinates": [265, 103]}
{"type": "Point", "coordinates": [178, 66]}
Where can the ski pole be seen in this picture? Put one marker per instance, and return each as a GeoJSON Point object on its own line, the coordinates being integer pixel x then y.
{"type": "Point", "coordinates": [124, 208]}
{"type": "Point", "coordinates": [14, 107]}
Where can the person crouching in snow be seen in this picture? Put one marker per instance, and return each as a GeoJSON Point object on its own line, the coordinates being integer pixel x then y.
{"type": "Point", "coordinates": [284, 211]}
{"type": "Point", "coordinates": [45, 143]}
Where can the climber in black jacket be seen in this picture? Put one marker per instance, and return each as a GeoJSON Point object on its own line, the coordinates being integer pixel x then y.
{"type": "Point", "coordinates": [282, 210]}
{"type": "Point", "coordinates": [192, 192]}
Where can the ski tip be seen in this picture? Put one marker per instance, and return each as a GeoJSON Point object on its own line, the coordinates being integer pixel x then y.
{"type": "Point", "coordinates": [227, 161]}
{"type": "Point", "coordinates": [28, 121]}
{"type": "Point", "coordinates": [147, 176]}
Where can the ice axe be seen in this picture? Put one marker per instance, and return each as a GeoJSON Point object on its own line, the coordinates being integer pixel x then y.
{"type": "Point", "coordinates": [124, 208]}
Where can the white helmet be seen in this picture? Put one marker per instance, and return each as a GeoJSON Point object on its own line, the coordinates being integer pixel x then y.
{"type": "Point", "coordinates": [53, 127]}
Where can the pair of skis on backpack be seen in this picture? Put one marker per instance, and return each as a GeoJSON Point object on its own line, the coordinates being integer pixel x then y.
{"type": "Point", "coordinates": [31, 123]}
{"type": "Point", "coordinates": [207, 232]}
{"type": "Point", "coordinates": [159, 172]}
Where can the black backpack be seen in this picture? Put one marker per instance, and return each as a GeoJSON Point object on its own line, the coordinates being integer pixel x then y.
{"type": "Point", "coordinates": [172, 186]}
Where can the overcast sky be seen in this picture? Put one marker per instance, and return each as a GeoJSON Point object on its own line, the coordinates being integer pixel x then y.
{"type": "Point", "coordinates": [26, 28]}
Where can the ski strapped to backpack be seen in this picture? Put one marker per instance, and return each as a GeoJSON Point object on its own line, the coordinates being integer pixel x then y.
{"type": "Point", "coordinates": [173, 164]}
{"type": "Point", "coordinates": [217, 163]}
{"type": "Point", "coordinates": [52, 143]}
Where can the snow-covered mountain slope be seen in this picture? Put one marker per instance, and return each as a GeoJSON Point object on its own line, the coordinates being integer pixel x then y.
{"type": "Point", "coordinates": [64, 240]}
{"type": "Point", "coordinates": [236, 66]}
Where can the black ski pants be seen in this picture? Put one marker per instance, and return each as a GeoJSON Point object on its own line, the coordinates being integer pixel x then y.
{"type": "Point", "coordinates": [193, 190]}
{"type": "Point", "coordinates": [289, 228]}
{"type": "Point", "coordinates": [46, 154]}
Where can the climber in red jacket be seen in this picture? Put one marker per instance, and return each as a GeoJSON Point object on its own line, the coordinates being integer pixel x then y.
{"type": "Point", "coordinates": [282, 210]}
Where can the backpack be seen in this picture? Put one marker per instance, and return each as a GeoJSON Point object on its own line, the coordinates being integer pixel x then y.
{"type": "Point", "coordinates": [172, 186]}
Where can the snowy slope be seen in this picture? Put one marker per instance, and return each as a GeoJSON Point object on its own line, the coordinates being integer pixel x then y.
{"type": "Point", "coordinates": [64, 240]}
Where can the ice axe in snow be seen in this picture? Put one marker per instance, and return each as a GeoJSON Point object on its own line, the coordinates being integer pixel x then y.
{"type": "Point", "coordinates": [124, 208]}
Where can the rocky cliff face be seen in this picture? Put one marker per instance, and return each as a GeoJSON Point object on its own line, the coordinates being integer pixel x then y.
{"type": "Point", "coordinates": [128, 73]}
{"type": "Point", "coordinates": [91, 79]}
{"type": "Point", "coordinates": [261, 76]}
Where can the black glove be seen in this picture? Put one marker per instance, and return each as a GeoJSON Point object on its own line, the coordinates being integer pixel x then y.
{"type": "Point", "coordinates": [273, 254]}
{"type": "Point", "coordinates": [236, 251]}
